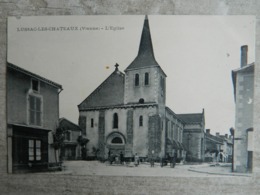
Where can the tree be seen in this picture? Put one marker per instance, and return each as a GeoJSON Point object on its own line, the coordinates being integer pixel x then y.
{"type": "Point", "coordinates": [58, 140]}
{"type": "Point", "coordinates": [83, 142]}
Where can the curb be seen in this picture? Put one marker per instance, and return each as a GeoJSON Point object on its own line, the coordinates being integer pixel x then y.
{"type": "Point", "coordinates": [225, 174]}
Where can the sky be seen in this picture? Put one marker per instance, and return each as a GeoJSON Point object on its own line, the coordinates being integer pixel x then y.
{"type": "Point", "coordinates": [197, 53]}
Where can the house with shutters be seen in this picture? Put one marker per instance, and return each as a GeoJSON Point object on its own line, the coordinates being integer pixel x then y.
{"type": "Point", "coordinates": [32, 117]}
{"type": "Point", "coordinates": [127, 112]}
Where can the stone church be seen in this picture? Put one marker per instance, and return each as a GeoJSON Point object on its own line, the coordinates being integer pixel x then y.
{"type": "Point", "coordinates": [127, 112]}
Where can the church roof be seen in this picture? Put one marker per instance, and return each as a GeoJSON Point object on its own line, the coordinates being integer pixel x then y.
{"type": "Point", "coordinates": [145, 57]}
{"type": "Point", "coordinates": [109, 93]}
{"type": "Point", "coordinates": [194, 118]}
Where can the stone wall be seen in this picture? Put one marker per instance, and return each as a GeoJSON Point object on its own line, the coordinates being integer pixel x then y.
{"type": "Point", "coordinates": [149, 93]}
{"type": "Point", "coordinates": [154, 135]}
{"type": "Point", "coordinates": [92, 133]}
{"type": "Point", "coordinates": [101, 133]}
{"type": "Point", "coordinates": [83, 124]}
{"type": "Point", "coordinates": [194, 141]}
{"type": "Point", "coordinates": [244, 120]}
{"type": "Point", "coordinates": [129, 133]}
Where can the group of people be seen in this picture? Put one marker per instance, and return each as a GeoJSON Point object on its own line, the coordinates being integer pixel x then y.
{"type": "Point", "coordinates": [121, 159]}
{"type": "Point", "coordinates": [112, 158]}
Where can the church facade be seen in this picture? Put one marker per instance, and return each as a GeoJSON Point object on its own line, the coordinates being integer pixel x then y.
{"type": "Point", "coordinates": [127, 112]}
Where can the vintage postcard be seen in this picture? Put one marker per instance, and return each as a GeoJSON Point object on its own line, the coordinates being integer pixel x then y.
{"type": "Point", "coordinates": [162, 95]}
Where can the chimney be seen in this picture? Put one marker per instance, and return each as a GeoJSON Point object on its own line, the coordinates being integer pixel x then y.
{"type": "Point", "coordinates": [208, 131]}
{"type": "Point", "coordinates": [244, 50]}
{"type": "Point", "coordinates": [226, 135]}
{"type": "Point", "coordinates": [217, 134]}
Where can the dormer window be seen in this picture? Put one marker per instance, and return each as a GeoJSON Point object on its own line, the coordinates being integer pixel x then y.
{"type": "Point", "coordinates": [35, 85]}
{"type": "Point", "coordinates": [136, 79]}
{"type": "Point", "coordinates": [146, 78]}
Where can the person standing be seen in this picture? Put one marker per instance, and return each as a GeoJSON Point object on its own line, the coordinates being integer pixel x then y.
{"type": "Point", "coordinates": [152, 161]}
{"type": "Point", "coordinates": [121, 157]}
{"type": "Point", "coordinates": [136, 160]}
{"type": "Point", "coordinates": [109, 153]}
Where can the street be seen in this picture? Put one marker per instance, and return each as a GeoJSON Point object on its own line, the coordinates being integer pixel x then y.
{"type": "Point", "coordinates": [93, 177]}
{"type": "Point", "coordinates": [144, 169]}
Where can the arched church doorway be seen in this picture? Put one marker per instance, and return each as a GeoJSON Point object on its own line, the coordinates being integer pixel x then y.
{"type": "Point", "coordinates": [115, 144]}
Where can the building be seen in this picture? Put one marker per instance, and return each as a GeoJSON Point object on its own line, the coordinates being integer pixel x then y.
{"type": "Point", "coordinates": [219, 148]}
{"type": "Point", "coordinates": [226, 148]}
{"type": "Point", "coordinates": [32, 117]}
{"type": "Point", "coordinates": [127, 112]}
{"type": "Point", "coordinates": [72, 132]}
{"type": "Point", "coordinates": [243, 82]}
{"type": "Point", "coordinates": [194, 135]}
{"type": "Point", "coordinates": [213, 147]}
{"type": "Point", "coordinates": [174, 135]}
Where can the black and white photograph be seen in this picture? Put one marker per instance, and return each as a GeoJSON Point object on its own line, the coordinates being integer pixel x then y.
{"type": "Point", "coordinates": [131, 96]}
{"type": "Point", "coordinates": [112, 92]}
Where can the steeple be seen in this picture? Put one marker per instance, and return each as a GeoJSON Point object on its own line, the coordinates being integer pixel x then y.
{"type": "Point", "coordinates": [145, 57]}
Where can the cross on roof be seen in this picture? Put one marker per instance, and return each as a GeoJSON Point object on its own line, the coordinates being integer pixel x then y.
{"type": "Point", "coordinates": [116, 66]}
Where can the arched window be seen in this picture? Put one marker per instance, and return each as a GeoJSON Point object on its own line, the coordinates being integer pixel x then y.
{"type": "Point", "coordinates": [141, 121]}
{"type": "Point", "coordinates": [136, 79]}
{"type": "Point", "coordinates": [115, 121]}
{"type": "Point", "coordinates": [117, 140]}
{"type": "Point", "coordinates": [146, 78]}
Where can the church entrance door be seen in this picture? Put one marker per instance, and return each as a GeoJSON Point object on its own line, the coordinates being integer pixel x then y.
{"type": "Point", "coordinates": [116, 144]}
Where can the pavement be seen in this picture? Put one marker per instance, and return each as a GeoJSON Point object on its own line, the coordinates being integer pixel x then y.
{"type": "Point", "coordinates": [144, 169]}
{"type": "Point", "coordinates": [222, 169]}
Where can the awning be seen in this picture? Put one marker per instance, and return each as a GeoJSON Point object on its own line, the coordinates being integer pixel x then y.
{"type": "Point", "coordinates": [29, 127]}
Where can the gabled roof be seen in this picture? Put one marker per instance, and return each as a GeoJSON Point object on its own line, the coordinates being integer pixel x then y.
{"type": "Point", "coordinates": [109, 93]}
{"type": "Point", "coordinates": [145, 57]}
{"type": "Point", "coordinates": [213, 139]}
{"type": "Point", "coordinates": [194, 118]}
{"type": "Point", "coordinates": [246, 69]}
{"type": "Point", "coordinates": [17, 68]}
{"type": "Point", "coordinates": [68, 125]}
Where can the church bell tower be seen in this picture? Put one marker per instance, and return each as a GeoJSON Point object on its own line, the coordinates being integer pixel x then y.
{"type": "Point", "coordinates": [145, 81]}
